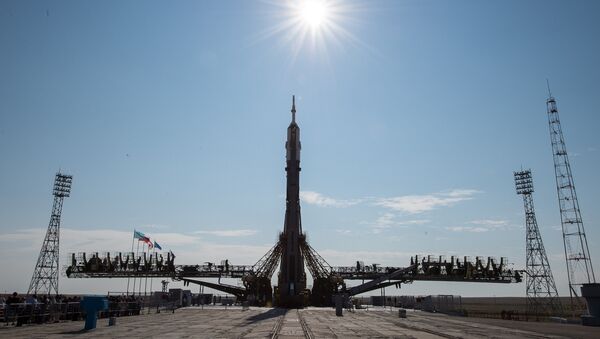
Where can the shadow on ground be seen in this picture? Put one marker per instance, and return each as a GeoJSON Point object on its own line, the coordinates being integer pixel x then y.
{"type": "Point", "coordinates": [272, 313]}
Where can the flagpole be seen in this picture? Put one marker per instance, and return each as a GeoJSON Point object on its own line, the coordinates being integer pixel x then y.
{"type": "Point", "coordinates": [154, 253]}
{"type": "Point", "coordinates": [146, 281]}
{"type": "Point", "coordinates": [140, 282]}
{"type": "Point", "coordinates": [132, 242]}
{"type": "Point", "coordinates": [135, 276]}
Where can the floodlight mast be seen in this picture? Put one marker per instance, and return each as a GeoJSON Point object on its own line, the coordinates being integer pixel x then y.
{"type": "Point", "coordinates": [45, 275]}
{"type": "Point", "coordinates": [542, 295]}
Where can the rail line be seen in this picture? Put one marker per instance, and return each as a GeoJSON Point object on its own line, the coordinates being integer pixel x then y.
{"type": "Point", "coordinates": [277, 327]}
{"type": "Point", "coordinates": [305, 328]}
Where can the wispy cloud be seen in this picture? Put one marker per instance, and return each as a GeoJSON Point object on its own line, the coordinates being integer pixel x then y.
{"type": "Point", "coordinates": [415, 204]}
{"type": "Point", "coordinates": [153, 227]}
{"type": "Point", "coordinates": [490, 222]}
{"type": "Point", "coordinates": [92, 239]}
{"type": "Point", "coordinates": [483, 225]}
{"type": "Point", "coordinates": [388, 220]}
{"type": "Point", "coordinates": [229, 233]}
{"type": "Point", "coordinates": [316, 198]}
{"type": "Point", "coordinates": [467, 229]}
{"type": "Point", "coordinates": [383, 222]}
{"type": "Point", "coordinates": [344, 231]}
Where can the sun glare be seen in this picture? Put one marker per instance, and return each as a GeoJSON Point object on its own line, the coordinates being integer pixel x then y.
{"type": "Point", "coordinates": [313, 27]}
{"type": "Point", "coordinates": [313, 12]}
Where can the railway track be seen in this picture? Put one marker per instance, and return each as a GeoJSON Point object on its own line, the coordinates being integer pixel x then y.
{"type": "Point", "coordinates": [289, 316]}
{"type": "Point", "coordinates": [305, 328]}
{"type": "Point", "coordinates": [277, 327]}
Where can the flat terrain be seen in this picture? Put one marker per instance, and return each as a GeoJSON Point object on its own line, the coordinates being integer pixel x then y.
{"type": "Point", "coordinates": [307, 323]}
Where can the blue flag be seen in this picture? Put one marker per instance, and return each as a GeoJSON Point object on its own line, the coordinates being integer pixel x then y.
{"type": "Point", "coordinates": [156, 245]}
{"type": "Point", "coordinates": [138, 234]}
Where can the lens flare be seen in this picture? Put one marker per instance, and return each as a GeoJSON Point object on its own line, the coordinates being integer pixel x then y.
{"type": "Point", "coordinates": [314, 27]}
{"type": "Point", "coordinates": [313, 13]}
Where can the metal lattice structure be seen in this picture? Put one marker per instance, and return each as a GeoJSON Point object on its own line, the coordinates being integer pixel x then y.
{"type": "Point", "coordinates": [45, 275]}
{"type": "Point", "coordinates": [293, 255]}
{"type": "Point", "coordinates": [542, 295]}
{"type": "Point", "coordinates": [577, 254]}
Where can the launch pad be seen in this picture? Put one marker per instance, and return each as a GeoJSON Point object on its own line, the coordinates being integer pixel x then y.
{"type": "Point", "coordinates": [306, 323]}
{"type": "Point", "coordinates": [291, 253]}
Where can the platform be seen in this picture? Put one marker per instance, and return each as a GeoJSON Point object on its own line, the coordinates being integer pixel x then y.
{"type": "Point", "coordinates": [307, 323]}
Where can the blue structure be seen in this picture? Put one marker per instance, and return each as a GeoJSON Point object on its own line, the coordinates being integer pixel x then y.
{"type": "Point", "coordinates": [92, 305]}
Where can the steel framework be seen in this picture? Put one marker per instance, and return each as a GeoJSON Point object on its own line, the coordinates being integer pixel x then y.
{"type": "Point", "coordinates": [45, 274]}
{"type": "Point", "coordinates": [292, 254]}
{"type": "Point", "coordinates": [577, 254]}
{"type": "Point", "coordinates": [542, 295]}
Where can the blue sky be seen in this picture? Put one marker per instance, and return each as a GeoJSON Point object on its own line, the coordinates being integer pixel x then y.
{"type": "Point", "coordinates": [172, 119]}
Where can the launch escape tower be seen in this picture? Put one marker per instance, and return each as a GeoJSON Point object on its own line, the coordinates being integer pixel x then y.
{"type": "Point", "coordinates": [542, 296]}
{"type": "Point", "coordinates": [577, 254]}
{"type": "Point", "coordinates": [45, 275]}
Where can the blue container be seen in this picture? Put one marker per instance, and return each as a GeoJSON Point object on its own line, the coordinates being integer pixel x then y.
{"type": "Point", "coordinates": [91, 305]}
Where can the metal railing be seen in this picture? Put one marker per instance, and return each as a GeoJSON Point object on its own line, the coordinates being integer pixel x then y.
{"type": "Point", "coordinates": [19, 314]}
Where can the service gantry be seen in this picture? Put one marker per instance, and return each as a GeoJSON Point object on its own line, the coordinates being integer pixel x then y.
{"type": "Point", "coordinates": [291, 253]}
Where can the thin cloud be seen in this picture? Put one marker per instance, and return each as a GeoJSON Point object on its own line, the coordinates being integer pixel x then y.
{"type": "Point", "coordinates": [388, 220]}
{"type": "Point", "coordinates": [92, 239]}
{"type": "Point", "coordinates": [467, 229]}
{"type": "Point", "coordinates": [154, 227]}
{"type": "Point", "coordinates": [415, 204]}
{"type": "Point", "coordinates": [483, 225]}
{"type": "Point", "coordinates": [490, 222]}
{"type": "Point", "coordinates": [229, 233]}
{"type": "Point", "coordinates": [316, 198]}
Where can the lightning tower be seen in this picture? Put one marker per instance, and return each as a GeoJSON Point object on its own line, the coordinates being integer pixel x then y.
{"type": "Point", "coordinates": [577, 254]}
{"type": "Point", "coordinates": [45, 275]}
{"type": "Point", "coordinates": [542, 296]}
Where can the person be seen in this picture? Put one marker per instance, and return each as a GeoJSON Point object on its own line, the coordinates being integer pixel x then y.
{"type": "Point", "coordinates": [31, 299]}
{"type": "Point", "coordinates": [11, 307]}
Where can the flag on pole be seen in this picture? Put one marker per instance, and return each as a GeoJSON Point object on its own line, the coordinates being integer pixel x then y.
{"type": "Point", "coordinates": [156, 245]}
{"type": "Point", "coordinates": [138, 235]}
{"type": "Point", "coordinates": [146, 240]}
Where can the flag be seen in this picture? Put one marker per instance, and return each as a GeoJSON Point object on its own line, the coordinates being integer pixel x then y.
{"type": "Point", "coordinates": [146, 240]}
{"type": "Point", "coordinates": [138, 235]}
{"type": "Point", "coordinates": [156, 245]}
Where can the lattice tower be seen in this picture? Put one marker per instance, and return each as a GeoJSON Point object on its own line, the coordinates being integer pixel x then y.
{"type": "Point", "coordinates": [45, 275]}
{"type": "Point", "coordinates": [542, 295]}
{"type": "Point", "coordinates": [577, 254]}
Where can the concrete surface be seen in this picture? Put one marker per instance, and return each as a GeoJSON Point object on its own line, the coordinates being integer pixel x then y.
{"type": "Point", "coordinates": [307, 323]}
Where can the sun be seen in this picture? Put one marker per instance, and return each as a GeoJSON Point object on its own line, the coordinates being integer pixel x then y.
{"type": "Point", "coordinates": [313, 13]}
{"type": "Point", "coordinates": [313, 27]}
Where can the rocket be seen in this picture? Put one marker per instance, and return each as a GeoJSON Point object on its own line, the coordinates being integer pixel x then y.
{"type": "Point", "coordinates": [292, 277]}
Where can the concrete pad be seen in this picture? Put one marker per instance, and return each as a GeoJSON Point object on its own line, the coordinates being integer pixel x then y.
{"type": "Point", "coordinates": [315, 322]}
